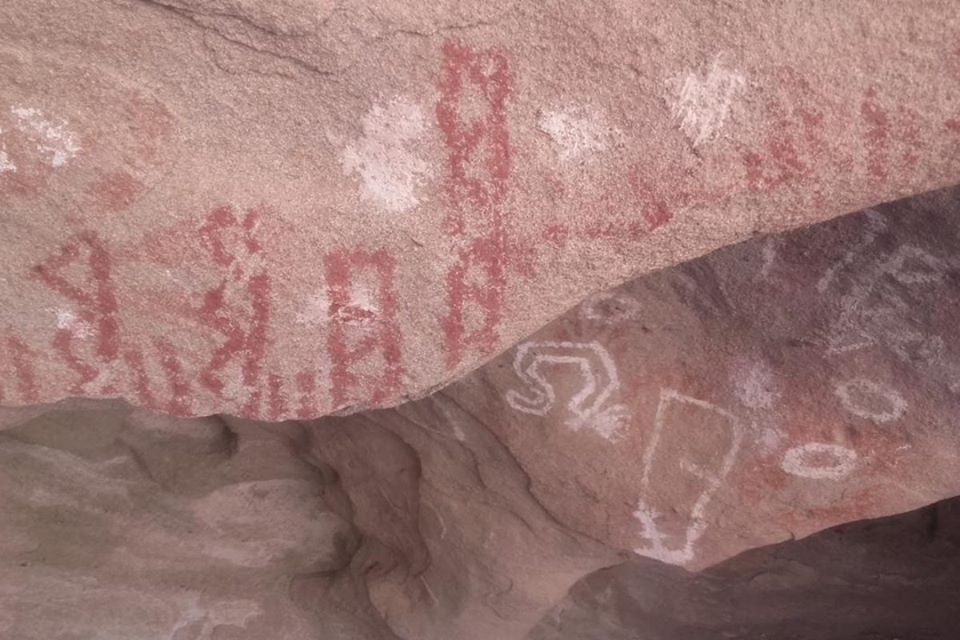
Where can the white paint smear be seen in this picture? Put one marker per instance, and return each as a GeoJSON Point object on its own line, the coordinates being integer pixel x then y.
{"type": "Point", "coordinates": [579, 132]}
{"type": "Point", "coordinates": [54, 141]}
{"type": "Point", "coordinates": [6, 164]}
{"type": "Point", "coordinates": [756, 387]}
{"type": "Point", "coordinates": [610, 308]}
{"type": "Point", "coordinates": [820, 461]}
{"type": "Point", "coordinates": [386, 157]}
{"type": "Point", "coordinates": [870, 400]}
{"type": "Point", "coordinates": [702, 100]}
{"type": "Point", "coordinates": [68, 320]}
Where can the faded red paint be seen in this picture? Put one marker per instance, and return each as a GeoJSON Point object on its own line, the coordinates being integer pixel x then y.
{"type": "Point", "coordinates": [798, 136]}
{"type": "Point", "coordinates": [276, 403]}
{"type": "Point", "coordinates": [654, 209]}
{"type": "Point", "coordinates": [33, 170]}
{"type": "Point", "coordinates": [478, 162]}
{"type": "Point", "coordinates": [94, 305]}
{"type": "Point", "coordinates": [307, 387]}
{"type": "Point", "coordinates": [178, 402]}
{"type": "Point", "coordinates": [238, 308]}
{"type": "Point", "coordinates": [363, 326]}
{"type": "Point", "coordinates": [150, 124]}
{"type": "Point", "coordinates": [953, 124]}
{"type": "Point", "coordinates": [114, 192]}
{"type": "Point", "coordinates": [876, 134]}
{"type": "Point", "coordinates": [22, 359]}
{"type": "Point", "coordinates": [888, 129]}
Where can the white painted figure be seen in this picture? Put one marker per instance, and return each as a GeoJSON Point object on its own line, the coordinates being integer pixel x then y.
{"type": "Point", "coordinates": [819, 461]}
{"type": "Point", "coordinates": [591, 406]}
{"type": "Point", "coordinates": [680, 550]}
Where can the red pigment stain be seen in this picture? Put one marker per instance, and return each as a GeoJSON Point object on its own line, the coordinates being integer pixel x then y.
{"type": "Point", "coordinates": [169, 361]}
{"type": "Point", "coordinates": [95, 305]}
{"type": "Point", "coordinates": [150, 123]}
{"type": "Point", "coordinates": [238, 308]}
{"type": "Point", "coordinates": [275, 400]}
{"type": "Point", "coordinates": [33, 169]}
{"type": "Point", "coordinates": [22, 360]}
{"type": "Point", "coordinates": [953, 125]}
{"type": "Point", "coordinates": [654, 205]}
{"type": "Point", "coordinates": [478, 168]}
{"type": "Point", "coordinates": [797, 138]}
{"type": "Point", "coordinates": [306, 387]}
{"type": "Point", "coordinates": [363, 325]}
{"type": "Point", "coordinates": [115, 191]}
{"type": "Point", "coordinates": [876, 134]}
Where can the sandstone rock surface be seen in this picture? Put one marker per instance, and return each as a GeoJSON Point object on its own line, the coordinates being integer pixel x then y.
{"type": "Point", "coordinates": [289, 209]}
{"type": "Point", "coordinates": [756, 395]}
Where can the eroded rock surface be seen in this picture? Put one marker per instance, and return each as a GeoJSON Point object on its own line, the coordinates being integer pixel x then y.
{"type": "Point", "coordinates": [761, 393]}
{"type": "Point", "coordinates": [288, 209]}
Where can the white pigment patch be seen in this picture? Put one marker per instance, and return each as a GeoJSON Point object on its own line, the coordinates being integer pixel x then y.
{"type": "Point", "coordinates": [68, 320]}
{"type": "Point", "coordinates": [579, 132]}
{"type": "Point", "coordinates": [386, 158]}
{"type": "Point", "coordinates": [870, 400]}
{"type": "Point", "coordinates": [55, 141]}
{"type": "Point", "coordinates": [756, 388]}
{"type": "Point", "coordinates": [6, 164]}
{"type": "Point", "coordinates": [702, 99]}
{"type": "Point", "coordinates": [361, 310]}
{"type": "Point", "coordinates": [819, 461]}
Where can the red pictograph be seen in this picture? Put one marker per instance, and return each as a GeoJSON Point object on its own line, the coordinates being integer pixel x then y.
{"type": "Point", "coordinates": [21, 360]}
{"type": "Point", "coordinates": [92, 318]}
{"type": "Point", "coordinates": [363, 330]}
{"type": "Point", "coordinates": [178, 403]}
{"type": "Point", "coordinates": [478, 162]}
{"type": "Point", "coordinates": [238, 308]}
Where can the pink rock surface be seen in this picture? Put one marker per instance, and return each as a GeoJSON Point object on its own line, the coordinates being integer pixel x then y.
{"type": "Point", "coordinates": [289, 209]}
{"type": "Point", "coordinates": [759, 394]}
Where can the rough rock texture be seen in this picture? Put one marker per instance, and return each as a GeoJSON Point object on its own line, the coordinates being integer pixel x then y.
{"type": "Point", "coordinates": [889, 579]}
{"type": "Point", "coordinates": [761, 393]}
{"type": "Point", "coordinates": [287, 209]}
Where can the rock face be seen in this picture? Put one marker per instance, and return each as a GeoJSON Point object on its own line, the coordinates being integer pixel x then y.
{"type": "Point", "coordinates": [877, 580]}
{"type": "Point", "coordinates": [759, 394]}
{"type": "Point", "coordinates": [289, 209]}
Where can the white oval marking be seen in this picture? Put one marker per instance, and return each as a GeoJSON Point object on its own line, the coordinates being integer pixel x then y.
{"type": "Point", "coordinates": [819, 461]}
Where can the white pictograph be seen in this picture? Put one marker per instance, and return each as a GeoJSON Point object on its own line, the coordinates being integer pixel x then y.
{"type": "Point", "coordinates": [704, 439]}
{"type": "Point", "coordinates": [875, 312]}
{"type": "Point", "coordinates": [387, 158]}
{"type": "Point", "coordinates": [880, 308]}
{"type": "Point", "coordinates": [54, 141]}
{"type": "Point", "coordinates": [870, 400]}
{"type": "Point", "coordinates": [610, 308]}
{"type": "Point", "coordinates": [590, 407]}
{"type": "Point", "coordinates": [875, 223]}
{"type": "Point", "coordinates": [579, 131]}
{"type": "Point", "coordinates": [819, 461]}
{"type": "Point", "coordinates": [702, 100]}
